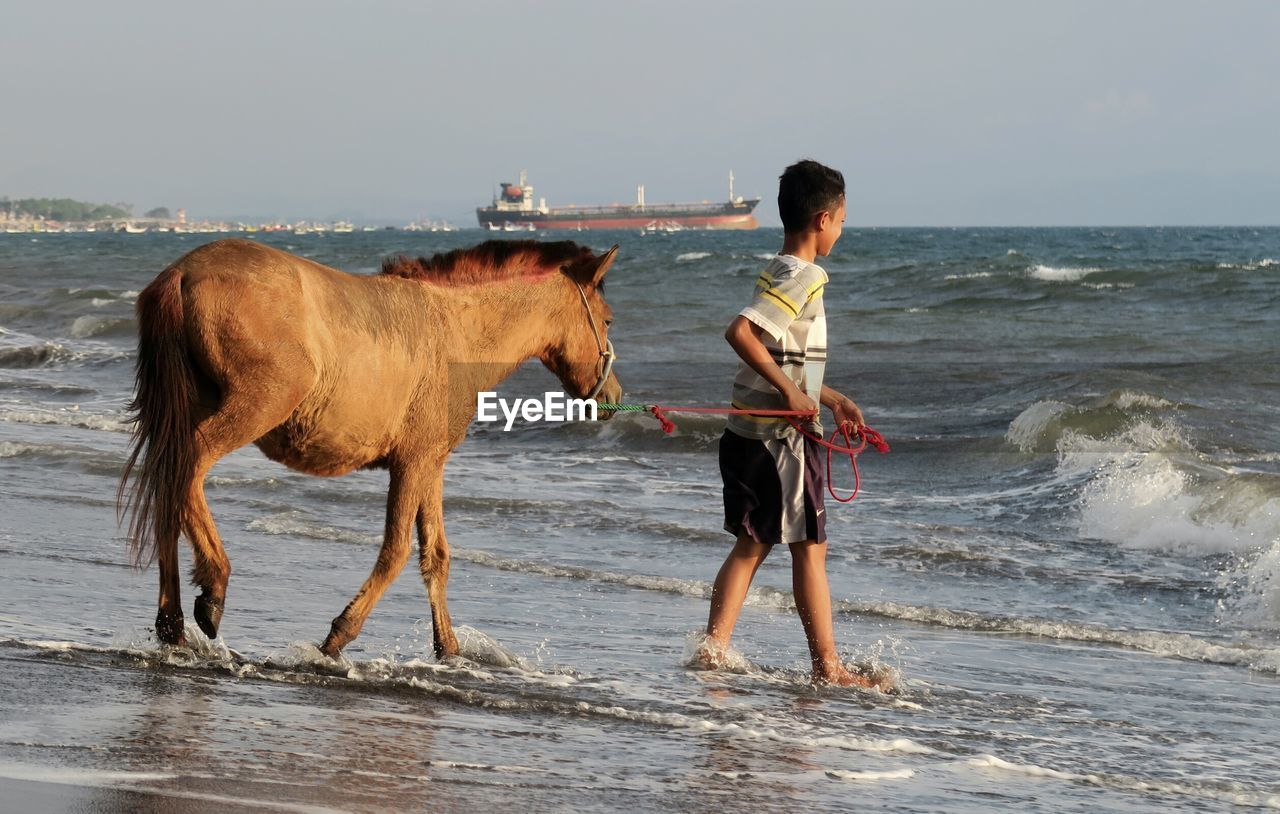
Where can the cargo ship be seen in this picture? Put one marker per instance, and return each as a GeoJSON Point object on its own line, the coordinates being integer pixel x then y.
{"type": "Point", "coordinates": [514, 210]}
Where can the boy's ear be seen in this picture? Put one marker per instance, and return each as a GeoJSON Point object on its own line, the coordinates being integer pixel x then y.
{"type": "Point", "coordinates": [822, 220]}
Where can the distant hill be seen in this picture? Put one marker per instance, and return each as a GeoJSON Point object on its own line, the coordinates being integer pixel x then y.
{"type": "Point", "coordinates": [62, 209]}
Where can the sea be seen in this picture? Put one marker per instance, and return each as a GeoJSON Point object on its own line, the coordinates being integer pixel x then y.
{"type": "Point", "coordinates": [1068, 565]}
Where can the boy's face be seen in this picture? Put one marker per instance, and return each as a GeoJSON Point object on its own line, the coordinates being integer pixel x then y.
{"type": "Point", "coordinates": [829, 225]}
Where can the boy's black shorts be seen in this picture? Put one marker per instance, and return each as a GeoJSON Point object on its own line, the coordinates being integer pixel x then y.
{"type": "Point", "coordinates": [773, 488]}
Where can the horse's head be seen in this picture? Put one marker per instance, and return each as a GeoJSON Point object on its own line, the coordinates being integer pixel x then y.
{"type": "Point", "coordinates": [581, 356]}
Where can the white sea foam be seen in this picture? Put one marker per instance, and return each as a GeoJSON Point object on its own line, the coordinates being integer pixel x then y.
{"type": "Point", "coordinates": [1057, 274]}
{"type": "Point", "coordinates": [482, 648]}
{"type": "Point", "coordinates": [79, 777]}
{"type": "Point", "coordinates": [1253, 584]}
{"type": "Point", "coordinates": [10, 449]}
{"type": "Point", "coordinates": [302, 661]}
{"type": "Point", "coordinates": [1146, 486]}
{"type": "Point", "coordinates": [1142, 492]}
{"type": "Point", "coordinates": [868, 777]}
{"type": "Point", "coordinates": [1129, 399]}
{"type": "Point", "coordinates": [68, 417]}
{"type": "Point", "coordinates": [701, 652]}
{"type": "Point", "coordinates": [1158, 643]}
{"type": "Point", "coordinates": [976, 275]}
{"type": "Point", "coordinates": [1252, 265]}
{"type": "Point", "coordinates": [1027, 430]}
{"type": "Point", "coordinates": [993, 762]}
{"type": "Point", "coordinates": [1169, 645]}
{"type": "Point", "coordinates": [691, 256]}
{"type": "Point", "coordinates": [1229, 792]}
{"type": "Point", "coordinates": [91, 325]}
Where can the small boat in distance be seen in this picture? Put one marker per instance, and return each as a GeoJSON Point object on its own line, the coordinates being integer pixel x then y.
{"type": "Point", "coordinates": [513, 209]}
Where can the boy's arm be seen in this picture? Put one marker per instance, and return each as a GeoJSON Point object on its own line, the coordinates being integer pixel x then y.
{"type": "Point", "coordinates": [842, 407]}
{"type": "Point", "coordinates": [743, 336]}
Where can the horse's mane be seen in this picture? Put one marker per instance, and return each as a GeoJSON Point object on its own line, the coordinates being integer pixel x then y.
{"type": "Point", "coordinates": [491, 261]}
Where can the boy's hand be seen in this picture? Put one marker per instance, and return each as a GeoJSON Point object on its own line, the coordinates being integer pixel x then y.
{"type": "Point", "coordinates": [799, 401]}
{"type": "Point", "coordinates": [847, 413]}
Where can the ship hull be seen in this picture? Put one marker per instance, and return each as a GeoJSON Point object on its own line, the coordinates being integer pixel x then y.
{"type": "Point", "coordinates": [725, 216]}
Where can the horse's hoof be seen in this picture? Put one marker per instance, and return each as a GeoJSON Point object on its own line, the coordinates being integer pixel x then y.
{"type": "Point", "coordinates": [169, 628]}
{"type": "Point", "coordinates": [208, 615]}
{"type": "Point", "coordinates": [341, 632]}
{"type": "Point", "coordinates": [447, 648]}
{"type": "Point", "coordinates": [330, 648]}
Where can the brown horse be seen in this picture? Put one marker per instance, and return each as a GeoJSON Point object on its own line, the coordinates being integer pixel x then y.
{"type": "Point", "coordinates": [327, 372]}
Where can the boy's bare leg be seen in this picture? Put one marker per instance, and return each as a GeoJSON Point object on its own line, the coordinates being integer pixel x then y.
{"type": "Point", "coordinates": [730, 588]}
{"type": "Point", "coordinates": [813, 601]}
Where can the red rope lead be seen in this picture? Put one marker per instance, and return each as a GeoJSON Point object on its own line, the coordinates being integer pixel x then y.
{"type": "Point", "coordinates": [864, 434]}
{"type": "Point", "coordinates": [668, 426]}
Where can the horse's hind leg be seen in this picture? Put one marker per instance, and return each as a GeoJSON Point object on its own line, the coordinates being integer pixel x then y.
{"type": "Point", "coordinates": [433, 563]}
{"type": "Point", "coordinates": [402, 505]}
{"type": "Point", "coordinates": [243, 415]}
{"type": "Point", "coordinates": [212, 567]}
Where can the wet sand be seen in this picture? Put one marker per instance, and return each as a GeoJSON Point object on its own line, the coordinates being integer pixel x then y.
{"type": "Point", "coordinates": [33, 797]}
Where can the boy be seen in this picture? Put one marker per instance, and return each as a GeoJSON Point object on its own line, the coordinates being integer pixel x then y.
{"type": "Point", "coordinates": [772, 479]}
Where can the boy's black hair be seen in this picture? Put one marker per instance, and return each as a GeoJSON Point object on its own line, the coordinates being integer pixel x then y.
{"type": "Point", "coordinates": [805, 189]}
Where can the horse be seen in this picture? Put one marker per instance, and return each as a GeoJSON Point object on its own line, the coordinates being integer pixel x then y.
{"type": "Point", "coordinates": [328, 372]}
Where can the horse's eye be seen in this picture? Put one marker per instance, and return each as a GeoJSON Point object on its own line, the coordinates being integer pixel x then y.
{"type": "Point", "coordinates": [608, 322]}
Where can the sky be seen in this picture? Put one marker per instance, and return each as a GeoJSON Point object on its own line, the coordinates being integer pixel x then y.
{"type": "Point", "coordinates": [938, 113]}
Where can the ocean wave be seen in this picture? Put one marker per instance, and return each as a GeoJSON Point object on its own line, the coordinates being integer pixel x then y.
{"type": "Point", "coordinates": [92, 325]}
{"type": "Point", "coordinates": [1060, 274]}
{"type": "Point", "coordinates": [63, 775]}
{"type": "Point", "coordinates": [69, 417]}
{"type": "Point", "coordinates": [1253, 265]}
{"type": "Point", "coordinates": [1252, 586]}
{"type": "Point", "coordinates": [32, 352]}
{"type": "Point", "coordinates": [1230, 792]}
{"type": "Point", "coordinates": [640, 431]}
{"type": "Point", "coordinates": [1158, 643]}
{"type": "Point", "coordinates": [1153, 500]}
{"type": "Point", "coordinates": [1143, 484]}
{"type": "Point", "coordinates": [871, 777]}
{"type": "Point", "coordinates": [975, 275]}
{"type": "Point", "coordinates": [1043, 426]}
{"type": "Point", "coordinates": [460, 681]}
{"type": "Point", "coordinates": [688, 257]}
{"type": "Point", "coordinates": [26, 356]}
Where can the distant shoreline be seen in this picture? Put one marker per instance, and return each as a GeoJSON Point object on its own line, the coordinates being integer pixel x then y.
{"type": "Point", "coordinates": [156, 225]}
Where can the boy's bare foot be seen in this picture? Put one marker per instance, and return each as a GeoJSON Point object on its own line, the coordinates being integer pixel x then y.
{"type": "Point", "coordinates": [840, 677]}
{"type": "Point", "coordinates": [836, 675]}
{"type": "Point", "coordinates": [709, 654]}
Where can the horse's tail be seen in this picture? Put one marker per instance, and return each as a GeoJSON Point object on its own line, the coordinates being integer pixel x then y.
{"type": "Point", "coordinates": [164, 427]}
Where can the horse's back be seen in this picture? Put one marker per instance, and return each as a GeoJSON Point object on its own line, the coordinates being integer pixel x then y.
{"type": "Point", "coordinates": [260, 319]}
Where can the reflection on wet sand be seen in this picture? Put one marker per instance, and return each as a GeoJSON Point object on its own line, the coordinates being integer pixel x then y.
{"type": "Point", "coordinates": [312, 747]}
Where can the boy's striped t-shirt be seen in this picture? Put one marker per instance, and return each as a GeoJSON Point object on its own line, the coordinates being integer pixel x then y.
{"type": "Point", "coordinates": [788, 307]}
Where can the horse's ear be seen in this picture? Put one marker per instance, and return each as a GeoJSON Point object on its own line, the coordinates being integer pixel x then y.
{"type": "Point", "coordinates": [602, 266]}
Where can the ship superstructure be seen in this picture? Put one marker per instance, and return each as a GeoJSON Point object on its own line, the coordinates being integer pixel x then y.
{"type": "Point", "coordinates": [514, 210]}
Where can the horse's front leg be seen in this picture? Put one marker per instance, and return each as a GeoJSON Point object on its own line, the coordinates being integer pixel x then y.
{"type": "Point", "coordinates": [433, 563]}
{"type": "Point", "coordinates": [402, 506]}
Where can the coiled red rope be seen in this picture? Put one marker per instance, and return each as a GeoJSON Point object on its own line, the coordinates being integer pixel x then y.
{"type": "Point", "coordinates": [864, 434]}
